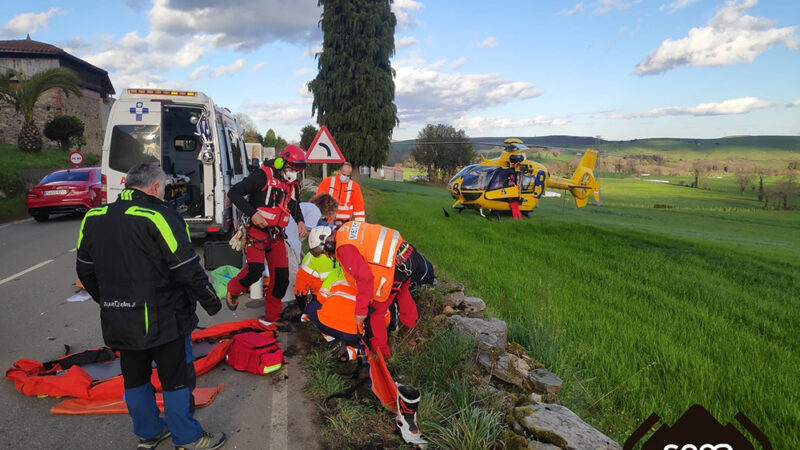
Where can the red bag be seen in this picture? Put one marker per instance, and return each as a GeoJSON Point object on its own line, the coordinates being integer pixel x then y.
{"type": "Point", "coordinates": [255, 353]}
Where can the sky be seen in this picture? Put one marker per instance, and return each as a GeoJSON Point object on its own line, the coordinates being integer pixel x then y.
{"type": "Point", "coordinates": [618, 69]}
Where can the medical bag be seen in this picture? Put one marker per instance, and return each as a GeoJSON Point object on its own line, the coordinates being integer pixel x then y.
{"type": "Point", "coordinates": [258, 353]}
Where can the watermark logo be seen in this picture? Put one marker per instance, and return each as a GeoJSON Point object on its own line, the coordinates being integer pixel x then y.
{"type": "Point", "coordinates": [697, 429]}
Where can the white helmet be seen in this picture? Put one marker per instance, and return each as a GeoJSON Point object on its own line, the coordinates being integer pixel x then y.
{"type": "Point", "coordinates": [317, 237]}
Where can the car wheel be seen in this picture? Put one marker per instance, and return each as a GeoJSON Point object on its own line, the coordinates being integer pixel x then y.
{"type": "Point", "coordinates": [40, 216]}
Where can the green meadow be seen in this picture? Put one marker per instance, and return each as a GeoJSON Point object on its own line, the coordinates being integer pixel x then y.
{"type": "Point", "coordinates": [639, 309]}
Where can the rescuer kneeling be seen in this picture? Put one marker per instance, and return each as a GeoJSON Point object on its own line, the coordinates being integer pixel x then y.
{"type": "Point", "coordinates": [382, 266]}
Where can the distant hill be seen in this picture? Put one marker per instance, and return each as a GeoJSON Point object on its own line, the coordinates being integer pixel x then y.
{"type": "Point", "coordinates": [687, 148]}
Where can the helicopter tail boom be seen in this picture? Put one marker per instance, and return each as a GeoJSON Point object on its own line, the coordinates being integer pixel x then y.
{"type": "Point", "coordinates": [582, 184]}
{"type": "Point", "coordinates": [583, 181]}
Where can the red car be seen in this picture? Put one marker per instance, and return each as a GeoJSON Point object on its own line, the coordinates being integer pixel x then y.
{"type": "Point", "coordinates": [65, 191]}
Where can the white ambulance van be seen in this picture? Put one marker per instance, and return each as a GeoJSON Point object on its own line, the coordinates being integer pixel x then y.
{"type": "Point", "coordinates": [197, 143]}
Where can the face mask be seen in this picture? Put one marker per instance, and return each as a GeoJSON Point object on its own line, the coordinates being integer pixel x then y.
{"type": "Point", "coordinates": [290, 175]}
{"type": "Point", "coordinates": [344, 178]}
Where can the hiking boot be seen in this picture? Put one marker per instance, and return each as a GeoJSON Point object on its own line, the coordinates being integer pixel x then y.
{"type": "Point", "coordinates": [208, 441]}
{"type": "Point", "coordinates": [146, 444]}
{"type": "Point", "coordinates": [232, 301]}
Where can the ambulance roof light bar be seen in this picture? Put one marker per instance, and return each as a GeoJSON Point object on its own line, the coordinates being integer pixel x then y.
{"type": "Point", "coordinates": [162, 92]}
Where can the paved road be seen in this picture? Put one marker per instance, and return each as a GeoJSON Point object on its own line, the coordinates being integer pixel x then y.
{"type": "Point", "coordinates": [37, 272]}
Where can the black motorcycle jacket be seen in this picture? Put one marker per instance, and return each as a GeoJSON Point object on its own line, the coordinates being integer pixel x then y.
{"type": "Point", "coordinates": [135, 258]}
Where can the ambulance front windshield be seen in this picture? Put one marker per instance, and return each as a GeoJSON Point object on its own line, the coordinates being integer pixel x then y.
{"type": "Point", "coordinates": [134, 144]}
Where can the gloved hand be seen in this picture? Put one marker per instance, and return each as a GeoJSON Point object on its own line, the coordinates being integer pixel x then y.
{"type": "Point", "coordinates": [339, 350]}
{"type": "Point", "coordinates": [239, 239]}
{"type": "Point", "coordinates": [214, 308]}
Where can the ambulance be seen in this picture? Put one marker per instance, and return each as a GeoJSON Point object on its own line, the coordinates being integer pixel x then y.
{"type": "Point", "coordinates": [197, 143]}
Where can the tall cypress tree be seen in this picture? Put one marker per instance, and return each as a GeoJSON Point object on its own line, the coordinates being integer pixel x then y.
{"type": "Point", "coordinates": [354, 89]}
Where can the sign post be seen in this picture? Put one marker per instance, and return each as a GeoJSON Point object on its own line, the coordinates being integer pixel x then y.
{"type": "Point", "coordinates": [76, 158]}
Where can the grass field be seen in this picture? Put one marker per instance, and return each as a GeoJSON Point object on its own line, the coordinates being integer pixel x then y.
{"type": "Point", "coordinates": [639, 309]}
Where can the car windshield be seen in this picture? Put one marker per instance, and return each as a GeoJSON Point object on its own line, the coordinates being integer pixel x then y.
{"type": "Point", "coordinates": [66, 176]}
{"type": "Point", "coordinates": [478, 178]}
{"type": "Point", "coordinates": [134, 144]}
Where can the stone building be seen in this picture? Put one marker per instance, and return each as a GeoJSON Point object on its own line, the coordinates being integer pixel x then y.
{"type": "Point", "coordinates": [92, 107]}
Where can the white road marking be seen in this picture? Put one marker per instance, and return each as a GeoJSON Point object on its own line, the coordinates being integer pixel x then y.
{"type": "Point", "coordinates": [279, 434]}
{"type": "Point", "coordinates": [17, 222]}
{"type": "Point", "coordinates": [29, 269]}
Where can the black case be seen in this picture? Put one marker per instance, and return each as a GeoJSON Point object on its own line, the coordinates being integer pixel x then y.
{"type": "Point", "coordinates": [220, 253]}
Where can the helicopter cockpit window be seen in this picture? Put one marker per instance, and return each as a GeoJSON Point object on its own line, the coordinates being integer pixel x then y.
{"type": "Point", "coordinates": [502, 179]}
{"type": "Point", "coordinates": [478, 178]}
{"type": "Point", "coordinates": [462, 172]}
{"type": "Point", "coordinates": [527, 182]}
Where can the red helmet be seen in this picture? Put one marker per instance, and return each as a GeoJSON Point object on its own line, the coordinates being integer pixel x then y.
{"type": "Point", "coordinates": [293, 157]}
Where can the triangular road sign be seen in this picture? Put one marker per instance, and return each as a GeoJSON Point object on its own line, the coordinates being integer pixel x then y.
{"type": "Point", "coordinates": [324, 149]}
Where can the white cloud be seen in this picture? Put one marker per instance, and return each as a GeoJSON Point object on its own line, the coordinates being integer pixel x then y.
{"type": "Point", "coordinates": [259, 66]}
{"type": "Point", "coordinates": [230, 69]}
{"type": "Point", "coordinates": [604, 6]}
{"type": "Point", "coordinates": [302, 71]}
{"type": "Point", "coordinates": [795, 103]}
{"type": "Point", "coordinates": [76, 45]}
{"type": "Point", "coordinates": [423, 94]}
{"type": "Point", "coordinates": [742, 105]}
{"type": "Point", "coordinates": [407, 41]}
{"type": "Point", "coordinates": [312, 51]}
{"type": "Point", "coordinates": [488, 43]}
{"type": "Point", "coordinates": [676, 5]}
{"type": "Point", "coordinates": [457, 64]}
{"type": "Point", "coordinates": [251, 24]}
{"type": "Point", "coordinates": [198, 72]}
{"type": "Point", "coordinates": [294, 112]}
{"type": "Point", "coordinates": [133, 59]}
{"type": "Point", "coordinates": [730, 37]}
{"type": "Point", "coordinates": [24, 23]}
{"type": "Point", "coordinates": [479, 123]}
{"type": "Point", "coordinates": [571, 12]}
{"type": "Point", "coordinates": [402, 11]}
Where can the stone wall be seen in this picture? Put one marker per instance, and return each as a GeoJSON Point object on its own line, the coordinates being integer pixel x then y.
{"type": "Point", "coordinates": [90, 108]}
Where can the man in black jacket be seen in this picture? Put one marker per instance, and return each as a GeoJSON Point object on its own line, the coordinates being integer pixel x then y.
{"type": "Point", "coordinates": [136, 260]}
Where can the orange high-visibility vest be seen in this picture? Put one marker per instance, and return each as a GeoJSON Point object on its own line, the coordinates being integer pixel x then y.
{"type": "Point", "coordinates": [311, 274]}
{"type": "Point", "coordinates": [338, 309]}
{"type": "Point", "coordinates": [378, 245]}
{"type": "Point", "coordinates": [351, 202]}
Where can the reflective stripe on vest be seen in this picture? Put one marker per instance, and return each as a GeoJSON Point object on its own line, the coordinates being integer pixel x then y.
{"type": "Point", "coordinates": [378, 245]}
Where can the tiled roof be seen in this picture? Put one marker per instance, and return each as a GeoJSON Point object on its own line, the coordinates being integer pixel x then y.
{"type": "Point", "coordinates": [29, 46]}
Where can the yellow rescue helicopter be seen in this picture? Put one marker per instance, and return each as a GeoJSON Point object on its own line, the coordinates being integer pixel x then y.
{"type": "Point", "coordinates": [495, 184]}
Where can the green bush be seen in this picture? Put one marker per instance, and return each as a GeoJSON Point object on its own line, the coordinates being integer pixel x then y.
{"type": "Point", "coordinates": [66, 129]}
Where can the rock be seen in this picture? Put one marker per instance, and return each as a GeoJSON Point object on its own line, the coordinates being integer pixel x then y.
{"type": "Point", "coordinates": [535, 398]}
{"type": "Point", "coordinates": [473, 304]}
{"type": "Point", "coordinates": [558, 425]}
{"type": "Point", "coordinates": [544, 381]}
{"type": "Point", "coordinates": [491, 333]}
{"type": "Point", "coordinates": [507, 367]}
{"type": "Point", "coordinates": [539, 445]}
{"type": "Point", "coordinates": [452, 287]}
{"type": "Point", "coordinates": [449, 310]}
{"type": "Point", "coordinates": [453, 299]}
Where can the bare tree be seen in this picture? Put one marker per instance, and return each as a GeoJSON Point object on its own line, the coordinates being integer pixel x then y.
{"type": "Point", "coordinates": [744, 180]}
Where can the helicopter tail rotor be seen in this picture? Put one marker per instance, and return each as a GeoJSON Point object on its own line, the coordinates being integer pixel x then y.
{"type": "Point", "coordinates": [583, 182]}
